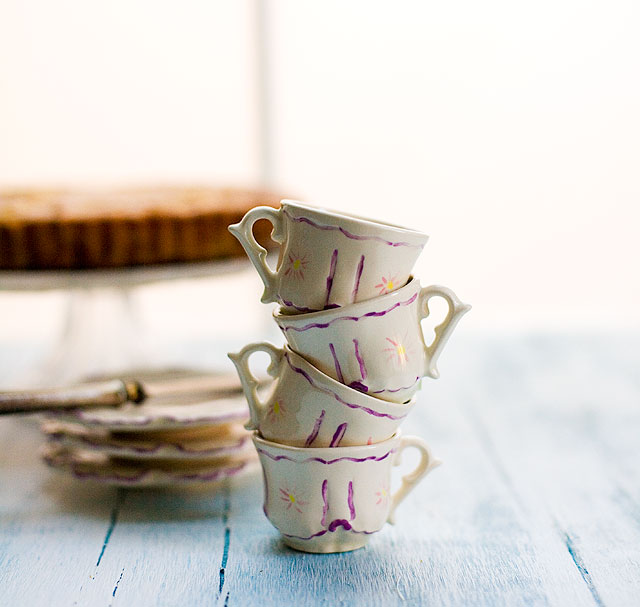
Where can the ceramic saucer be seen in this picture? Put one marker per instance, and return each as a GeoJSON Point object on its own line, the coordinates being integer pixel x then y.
{"type": "Point", "coordinates": [97, 467]}
{"type": "Point", "coordinates": [208, 442]}
{"type": "Point", "coordinates": [161, 414]}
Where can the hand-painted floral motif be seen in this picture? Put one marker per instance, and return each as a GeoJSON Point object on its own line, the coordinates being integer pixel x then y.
{"type": "Point", "coordinates": [291, 500]}
{"type": "Point", "coordinates": [387, 285]}
{"type": "Point", "coordinates": [382, 495]}
{"type": "Point", "coordinates": [398, 351]}
{"type": "Point", "coordinates": [297, 264]}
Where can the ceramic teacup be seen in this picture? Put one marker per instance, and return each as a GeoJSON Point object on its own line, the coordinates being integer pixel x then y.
{"type": "Point", "coordinates": [306, 408]}
{"type": "Point", "coordinates": [332, 500]}
{"type": "Point", "coordinates": [375, 346]}
{"type": "Point", "coordinates": [328, 259]}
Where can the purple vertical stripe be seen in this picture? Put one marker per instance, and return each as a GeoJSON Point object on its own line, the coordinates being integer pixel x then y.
{"type": "Point", "coordinates": [363, 369]}
{"type": "Point", "coordinates": [352, 510]}
{"type": "Point", "coordinates": [336, 362]}
{"type": "Point", "coordinates": [339, 433]}
{"type": "Point", "coordinates": [332, 272]}
{"type": "Point", "coordinates": [316, 429]}
{"type": "Point", "coordinates": [325, 503]}
{"type": "Point", "coordinates": [356, 286]}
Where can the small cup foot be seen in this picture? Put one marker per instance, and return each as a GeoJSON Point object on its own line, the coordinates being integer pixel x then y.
{"type": "Point", "coordinates": [329, 542]}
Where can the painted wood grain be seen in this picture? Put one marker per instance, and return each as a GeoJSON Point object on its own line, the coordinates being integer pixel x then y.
{"type": "Point", "coordinates": [538, 503]}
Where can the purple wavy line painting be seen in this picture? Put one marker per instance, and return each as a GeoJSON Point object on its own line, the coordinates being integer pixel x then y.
{"type": "Point", "coordinates": [396, 389]}
{"type": "Point", "coordinates": [98, 475]}
{"type": "Point", "coordinates": [151, 449]}
{"type": "Point", "coordinates": [324, 325]}
{"type": "Point", "coordinates": [310, 537]}
{"type": "Point", "coordinates": [348, 234]}
{"type": "Point", "coordinates": [328, 462]}
{"type": "Point", "coordinates": [150, 419]}
{"type": "Point", "coordinates": [367, 410]}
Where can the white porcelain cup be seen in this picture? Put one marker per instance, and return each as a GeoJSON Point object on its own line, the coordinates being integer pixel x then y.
{"type": "Point", "coordinates": [332, 500]}
{"type": "Point", "coordinates": [328, 259]}
{"type": "Point", "coordinates": [306, 408]}
{"type": "Point", "coordinates": [375, 346]}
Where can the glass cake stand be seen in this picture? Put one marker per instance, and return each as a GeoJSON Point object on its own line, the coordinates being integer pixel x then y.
{"type": "Point", "coordinates": [102, 330]}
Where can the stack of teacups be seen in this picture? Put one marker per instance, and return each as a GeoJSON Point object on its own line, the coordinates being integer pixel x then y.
{"type": "Point", "coordinates": [327, 428]}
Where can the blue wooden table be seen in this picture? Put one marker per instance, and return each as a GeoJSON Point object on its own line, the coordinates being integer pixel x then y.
{"type": "Point", "coordinates": [538, 503]}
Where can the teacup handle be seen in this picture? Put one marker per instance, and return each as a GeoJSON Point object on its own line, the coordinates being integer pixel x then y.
{"type": "Point", "coordinates": [243, 231]}
{"type": "Point", "coordinates": [248, 379]}
{"type": "Point", "coordinates": [456, 311]}
{"type": "Point", "coordinates": [409, 481]}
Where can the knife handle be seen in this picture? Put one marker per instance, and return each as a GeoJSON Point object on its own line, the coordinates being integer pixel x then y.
{"type": "Point", "coordinates": [109, 393]}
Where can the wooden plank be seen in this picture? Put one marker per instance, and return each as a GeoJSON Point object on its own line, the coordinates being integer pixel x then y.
{"type": "Point", "coordinates": [567, 444]}
{"type": "Point", "coordinates": [51, 529]}
{"type": "Point", "coordinates": [537, 503]}
{"type": "Point", "coordinates": [166, 548]}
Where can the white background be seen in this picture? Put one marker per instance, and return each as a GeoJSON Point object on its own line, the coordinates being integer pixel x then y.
{"type": "Point", "coordinates": [509, 131]}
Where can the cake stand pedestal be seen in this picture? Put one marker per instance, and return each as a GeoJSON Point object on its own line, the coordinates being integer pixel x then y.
{"type": "Point", "coordinates": [103, 332]}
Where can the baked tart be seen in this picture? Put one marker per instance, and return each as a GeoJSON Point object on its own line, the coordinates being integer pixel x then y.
{"type": "Point", "coordinates": [64, 229]}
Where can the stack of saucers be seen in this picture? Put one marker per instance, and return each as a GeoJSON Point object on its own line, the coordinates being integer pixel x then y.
{"type": "Point", "coordinates": [327, 429]}
{"type": "Point", "coordinates": [194, 439]}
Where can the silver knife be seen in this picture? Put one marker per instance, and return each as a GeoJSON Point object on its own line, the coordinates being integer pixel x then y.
{"type": "Point", "coordinates": [118, 391]}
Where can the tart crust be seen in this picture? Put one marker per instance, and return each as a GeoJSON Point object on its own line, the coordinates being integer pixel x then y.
{"type": "Point", "coordinates": [64, 229]}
